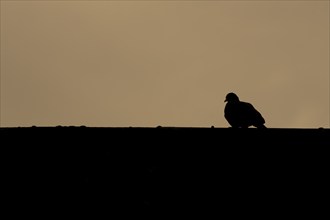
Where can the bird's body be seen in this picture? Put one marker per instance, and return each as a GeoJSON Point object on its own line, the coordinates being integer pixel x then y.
{"type": "Point", "coordinates": [242, 114]}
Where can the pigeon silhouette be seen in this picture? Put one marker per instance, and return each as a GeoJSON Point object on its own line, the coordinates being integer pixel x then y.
{"type": "Point", "coordinates": [242, 114]}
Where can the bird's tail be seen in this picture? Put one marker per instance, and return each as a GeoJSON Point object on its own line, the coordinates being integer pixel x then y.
{"type": "Point", "coordinates": [262, 126]}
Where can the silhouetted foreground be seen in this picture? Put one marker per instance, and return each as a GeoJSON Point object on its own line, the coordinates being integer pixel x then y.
{"type": "Point", "coordinates": [245, 172]}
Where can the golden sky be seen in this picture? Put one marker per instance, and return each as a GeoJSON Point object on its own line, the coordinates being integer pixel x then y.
{"type": "Point", "coordinates": [168, 63]}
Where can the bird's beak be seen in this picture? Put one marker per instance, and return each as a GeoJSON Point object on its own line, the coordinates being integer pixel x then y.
{"type": "Point", "coordinates": [225, 100]}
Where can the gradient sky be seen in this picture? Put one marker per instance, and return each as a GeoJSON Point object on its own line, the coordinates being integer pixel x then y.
{"type": "Point", "coordinates": [168, 63]}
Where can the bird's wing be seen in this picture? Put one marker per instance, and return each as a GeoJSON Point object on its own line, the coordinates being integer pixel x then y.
{"type": "Point", "coordinates": [254, 114]}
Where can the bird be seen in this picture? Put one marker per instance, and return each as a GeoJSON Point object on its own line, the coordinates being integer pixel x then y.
{"type": "Point", "coordinates": [242, 114]}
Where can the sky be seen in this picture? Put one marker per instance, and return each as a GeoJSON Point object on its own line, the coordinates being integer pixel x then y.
{"type": "Point", "coordinates": [163, 63]}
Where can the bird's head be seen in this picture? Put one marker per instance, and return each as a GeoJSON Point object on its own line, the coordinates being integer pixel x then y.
{"type": "Point", "coordinates": [231, 97]}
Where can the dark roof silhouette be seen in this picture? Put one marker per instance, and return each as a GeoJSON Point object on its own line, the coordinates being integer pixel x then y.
{"type": "Point", "coordinates": [242, 114]}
